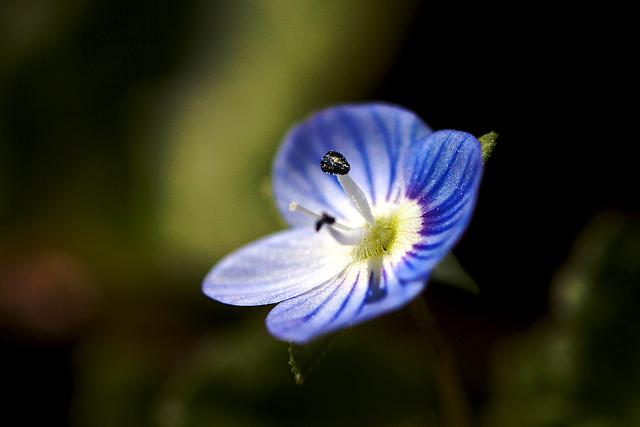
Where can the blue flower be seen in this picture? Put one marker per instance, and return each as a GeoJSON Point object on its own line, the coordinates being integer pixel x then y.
{"type": "Point", "coordinates": [375, 200]}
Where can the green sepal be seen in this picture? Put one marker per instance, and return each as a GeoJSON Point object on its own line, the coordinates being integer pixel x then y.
{"type": "Point", "coordinates": [303, 359]}
{"type": "Point", "coordinates": [450, 272]}
{"type": "Point", "coordinates": [487, 142]}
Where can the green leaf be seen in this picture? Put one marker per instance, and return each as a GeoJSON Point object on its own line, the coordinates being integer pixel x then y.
{"type": "Point", "coordinates": [488, 142]}
{"type": "Point", "coordinates": [304, 358]}
{"type": "Point", "coordinates": [578, 366]}
{"type": "Point", "coordinates": [450, 272]}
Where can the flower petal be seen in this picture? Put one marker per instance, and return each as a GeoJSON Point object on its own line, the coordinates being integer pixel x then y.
{"type": "Point", "coordinates": [373, 137]}
{"type": "Point", "coordinates": [277, 267]}
{"type": "Point", "coordinates": [349, 298]}
{"type": "Point", "coordinates": [390, 294]}
{"type": "Point", "coordinates": [443, 174]}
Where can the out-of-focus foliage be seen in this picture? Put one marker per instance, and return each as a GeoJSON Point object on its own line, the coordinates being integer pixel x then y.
{"type": "Point", "coordinates": [243, 379]}
{"type": "Point", "coordinates": [28, 28]}
{"type": "Point", "coordinates": [140, 134]}
{"type": "Point", "coordinates": [135, 141]}
{"type": "Point", "coordinates": [580, 367]}
{"type": "Point", "coordinates": [46, 295]}
{"type": "Point", "coordinates": [149, 371]}
{"type": "Point", "coordinates": [223, 122]}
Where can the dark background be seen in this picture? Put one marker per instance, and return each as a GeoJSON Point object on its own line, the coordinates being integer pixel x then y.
{"type": "Point", "coordinates": [528, 74]}
{"type": "Point", "coordinates": [544, 84]}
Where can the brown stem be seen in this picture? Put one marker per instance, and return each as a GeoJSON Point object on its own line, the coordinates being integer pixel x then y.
{"type": "Point", "coordinates": [454, 403]}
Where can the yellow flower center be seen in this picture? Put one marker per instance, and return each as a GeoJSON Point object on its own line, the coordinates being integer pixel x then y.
{"type": "Point", "coordinates": [393, 228]}
{"type": "Point", "coordinates": [378, 240]}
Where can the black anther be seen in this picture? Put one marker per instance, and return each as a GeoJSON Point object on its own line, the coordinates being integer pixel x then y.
{"type": "Point", "coordinates": [326, 219]}
{"type": "Point", "coordinates": [334, 163]}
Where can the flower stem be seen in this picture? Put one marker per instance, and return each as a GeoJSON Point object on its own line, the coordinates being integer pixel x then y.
{"type": "Point", "coordinates": [454, 402]}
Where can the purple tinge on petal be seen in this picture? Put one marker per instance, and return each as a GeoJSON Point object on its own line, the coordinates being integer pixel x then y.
{"type": "Point", "coordinates": [340, 302]}
{"type": "Point", "coordinates": [397, 293]}
{"type": "Point", "coordinates": [375, 139]}
{"type": "Point", "coordinates": [275, 268]}
{"type": "Point", "coordinates": [443, 174]}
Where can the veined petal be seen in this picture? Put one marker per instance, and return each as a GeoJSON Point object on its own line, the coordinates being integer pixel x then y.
{"type": "Point", "coordinates": [277, 267]}
{"type": "Point", "coordinates": [321, 310]}
{"type": "Point", "coordinates": [375, 139]}
{"type": "Point", "coordinates": [443, 174]}
{"type": "Point", "coordinates": [390, 294]}
{"type": "Point", "coordinates": [349, 298]}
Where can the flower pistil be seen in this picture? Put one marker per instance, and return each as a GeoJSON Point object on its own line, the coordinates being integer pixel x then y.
{"type": "Point", "coordinates": [395, 226]}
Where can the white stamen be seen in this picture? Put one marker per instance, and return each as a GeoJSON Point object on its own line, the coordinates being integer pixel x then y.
{"type": "Point", "coordinates": [356, 197]}
{"type": "Point", "coordinates": [348, 238]}
{"type": "Point", "coordinates": [295, 207]}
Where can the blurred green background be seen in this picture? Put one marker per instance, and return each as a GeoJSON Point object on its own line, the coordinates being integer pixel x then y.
{"type": "Point", "coordinates": [135, 147]}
